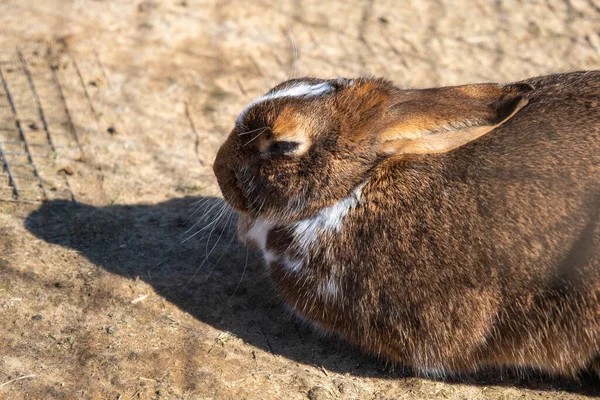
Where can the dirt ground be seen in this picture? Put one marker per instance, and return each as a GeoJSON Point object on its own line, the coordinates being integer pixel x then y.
{"type": "Point", "coordinates": [118, 279]}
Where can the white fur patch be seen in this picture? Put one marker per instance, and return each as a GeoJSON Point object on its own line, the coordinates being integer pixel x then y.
{"type": "Point", "coordinates": [258, 233]}
{"type": "Point", "coordinates": [306, 232]}
{"type": "Point", "coordinates": [270, 256]}
{"type": "Point", "coordinates": [291, 265]}
{"type": "Point", "coordinates": [297, 90]}
{"type": "Point", "coordinates": [328, 219]}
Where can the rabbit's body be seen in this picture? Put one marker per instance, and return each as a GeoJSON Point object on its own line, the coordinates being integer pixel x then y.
{"type": "Point", "coordinates": [484, 255]}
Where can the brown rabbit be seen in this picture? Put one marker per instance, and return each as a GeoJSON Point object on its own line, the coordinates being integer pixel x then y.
{"type": "Point", "coordinates": [448, 229]}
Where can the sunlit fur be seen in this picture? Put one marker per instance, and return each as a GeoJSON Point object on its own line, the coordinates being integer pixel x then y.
{"type": "Point", "coordinates": [447, 229]}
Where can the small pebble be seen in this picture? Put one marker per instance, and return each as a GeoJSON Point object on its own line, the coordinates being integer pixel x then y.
{"type": "Point", "coordinates": [37, 317]}
{"type": "Point", "coordinates": [66, 170]}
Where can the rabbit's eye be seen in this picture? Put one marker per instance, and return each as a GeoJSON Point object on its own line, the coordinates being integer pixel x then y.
{"type": "Point", "coordinates": [283, 147]}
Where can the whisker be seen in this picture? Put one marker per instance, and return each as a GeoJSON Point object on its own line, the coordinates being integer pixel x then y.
{"type": "Point", "coordinates": [220, 214]}
{"type": "Point", "coordinates": [205, 215]}
{"type": "Point", "coordinates": [233, 237]}
{"type": "Point", "coordinates": [200, 220]}
{"type": "Point", "coordinates": [213, 192]}
{"type": "Point", "coordinates": [207, 256]}
{"type": "Point", "coordinates": [242, 277]}
{"type": "Point", "coordinates": [162, 256]}
{"type": "Point", "coordinates": [253, 130]}
{"type": "Point", "coordinates": [198, 206]}
{"type": "Point", "coordinates": [224, 212]}
{"type": "Point", "coordinates": [290, 36]}
{"type": "Point", "coordinates": [255, 137]}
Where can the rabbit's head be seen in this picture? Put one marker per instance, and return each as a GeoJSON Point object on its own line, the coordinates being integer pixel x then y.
{"type": "Point", "coordinates": [308, 142]}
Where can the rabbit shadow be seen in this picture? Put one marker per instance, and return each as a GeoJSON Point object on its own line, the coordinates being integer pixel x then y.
{"type": "Point", "coordinates": [187, 250]}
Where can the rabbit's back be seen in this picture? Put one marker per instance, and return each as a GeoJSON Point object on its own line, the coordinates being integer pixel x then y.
{"type": "Point", "coordinates": [555, 137]}
{"type": "Point", "coordinates": [502, 235]}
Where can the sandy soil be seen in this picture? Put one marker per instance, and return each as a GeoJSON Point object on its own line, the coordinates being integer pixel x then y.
{"type": "Point", "coordinates": [124, 283]}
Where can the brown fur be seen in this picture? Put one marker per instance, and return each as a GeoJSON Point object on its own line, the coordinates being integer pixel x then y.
{"type": "Point", "coordinates": [487, 254]}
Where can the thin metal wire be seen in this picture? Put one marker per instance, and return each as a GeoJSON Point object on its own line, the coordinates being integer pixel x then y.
{"type": "Point", "coordinates": [64, 101]}
{"type": "Point", "coordinates": [18, 122]}
{"type": "Point", "coordinates": [8, 170]}
{"type": "Point", "coordinates": [19, 145]}
{"type": "Point", "coordinates": [85, 90]}
{"type": "Point", "coordinates": [41, 113]}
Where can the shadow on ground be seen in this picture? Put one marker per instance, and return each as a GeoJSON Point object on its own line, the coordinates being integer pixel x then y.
{"type": "Point", "coordinates": [216, 280]}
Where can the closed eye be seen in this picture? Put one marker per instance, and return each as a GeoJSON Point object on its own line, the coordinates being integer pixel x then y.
{"type": "Point", "coordinates": [283, 147]}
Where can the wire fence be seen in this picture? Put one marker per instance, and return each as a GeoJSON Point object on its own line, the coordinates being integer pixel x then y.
{"type": "Point", "coordinates": [36, 129]}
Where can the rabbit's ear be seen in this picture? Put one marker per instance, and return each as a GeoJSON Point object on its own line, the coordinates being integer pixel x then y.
{"type": "Point", "coordinates": [440, 120]}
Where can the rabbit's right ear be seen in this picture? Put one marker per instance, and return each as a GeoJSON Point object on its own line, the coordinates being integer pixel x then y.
{"type": "Point", "coordinates": [440, 120]}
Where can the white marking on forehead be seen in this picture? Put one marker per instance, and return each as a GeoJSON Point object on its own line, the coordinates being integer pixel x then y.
{"type": "Point", "coordinates": [299, 90]}
{"type": "Point", "coordinates": [296, 90]}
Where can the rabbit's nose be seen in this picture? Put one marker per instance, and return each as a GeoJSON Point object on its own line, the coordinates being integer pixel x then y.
{"type": "Point", "coordinates": [228, 182]}
{"type": "Point", "coordinates": [229, 187]}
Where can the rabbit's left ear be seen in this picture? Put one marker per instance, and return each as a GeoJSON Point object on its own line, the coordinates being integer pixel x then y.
{"type": "Point", "coordinates": [440, 120]}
